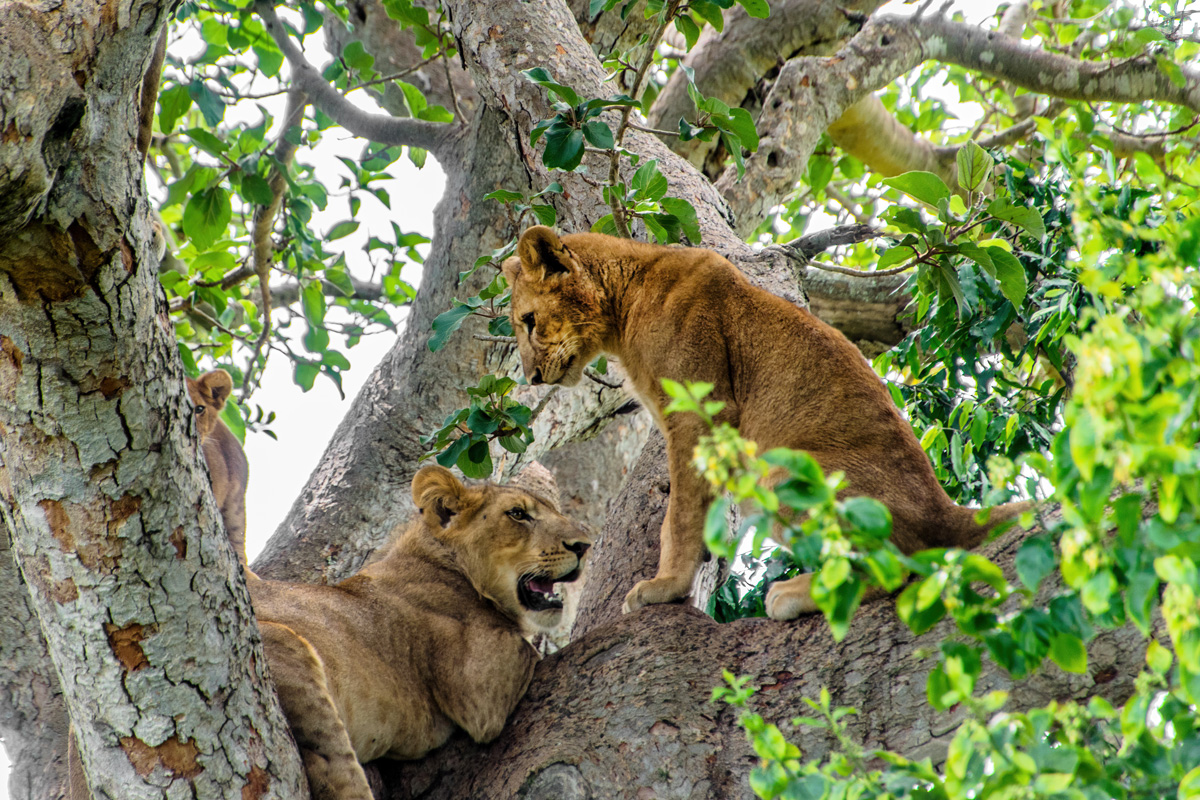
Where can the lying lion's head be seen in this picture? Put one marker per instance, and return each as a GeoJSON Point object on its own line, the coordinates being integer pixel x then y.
{"type": "Point", "coordinates": [555, 310]}
{"type": "Point", "coordinates": [209, 393]}
{"type": "Point", "coordinates": [514, 545]}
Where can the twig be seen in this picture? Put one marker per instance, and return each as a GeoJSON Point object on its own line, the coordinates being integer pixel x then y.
{"type": "Point", "coordinates": [542, 403]}
{"type": "Point", "coordinates": [602, 379]}
{"type": "Point", "coordinates": [483, 337]}
{"type": "Point", "coordinates": [262, 247]}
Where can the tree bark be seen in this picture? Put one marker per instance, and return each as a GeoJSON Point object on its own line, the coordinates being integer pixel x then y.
{"type": "Point", "coordinates": [623, 712]}
{"type": "Point", "coordinates": [33, 716]}
{"type": "Point", "coordinates": [117, 537]}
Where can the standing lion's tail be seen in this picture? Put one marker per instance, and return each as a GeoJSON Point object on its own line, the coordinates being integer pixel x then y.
{"type": "Point", "coordinates": [970, 533]}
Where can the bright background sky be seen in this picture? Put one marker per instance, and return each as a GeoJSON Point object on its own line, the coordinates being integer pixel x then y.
{"type": "Point", "coordinates": [279, 468]}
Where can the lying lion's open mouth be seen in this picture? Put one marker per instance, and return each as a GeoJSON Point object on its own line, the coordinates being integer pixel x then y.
{"type": "Point", "coordinates": [536, 592]}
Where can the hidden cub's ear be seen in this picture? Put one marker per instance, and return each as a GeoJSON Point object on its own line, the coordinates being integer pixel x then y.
{"type": "Point", "coordinates": [542, 254]}
{"type": "Point", "coordinates": [216, 385]}
{"type": "Point", "coordinates": [438, 494]}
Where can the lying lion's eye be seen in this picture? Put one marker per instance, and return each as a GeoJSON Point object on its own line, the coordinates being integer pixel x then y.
{"type": "Point", "coordinates": [529, 321]}
{"type": "Point", "coordinates": [200, 409]}
{"type": "Point", "coordinates": [518, 514]}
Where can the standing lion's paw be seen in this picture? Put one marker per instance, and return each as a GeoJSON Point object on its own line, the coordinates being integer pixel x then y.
{"type": "Point", "coordinates": [790, 599]}
{"type": "Point", "coordinates": [654, 591]}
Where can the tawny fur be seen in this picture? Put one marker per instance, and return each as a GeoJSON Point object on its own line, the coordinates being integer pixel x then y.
{"type": "Point", "coordinates": [787, 380]}
{"type": "Point", "coordinates": [227, 467]}
{"type": "Point", "coordinates": [427, 638]}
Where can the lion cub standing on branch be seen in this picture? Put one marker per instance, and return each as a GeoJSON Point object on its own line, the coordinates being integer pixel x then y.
{"type": "Point", "coordinates": [787, 380]}
{"type": "Point", "coordinates": [427, 638]}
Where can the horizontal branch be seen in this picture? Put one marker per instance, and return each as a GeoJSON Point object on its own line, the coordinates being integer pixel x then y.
{"type": "Point", "coordinates": [431, 136]}
{"type": "Point", "coordinates": [812, 94]}
{"type": "Point", "coordinates": [990, 53]}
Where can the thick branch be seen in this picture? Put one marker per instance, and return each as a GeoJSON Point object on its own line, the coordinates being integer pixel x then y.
{"type": "Point", "coordinates": [811, 94]}
{"type": "Point", "coordinates": [624, 711]}
{"type": "Point", "coordinates": [731, 65]}
{"type": "Point", "coordinates": [431, 136]}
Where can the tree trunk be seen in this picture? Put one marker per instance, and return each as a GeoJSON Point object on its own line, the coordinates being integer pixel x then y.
{"type": "Point", "coordinates": [117, 537]}
{"type": "Point", "coordinates": [33, 716]}
{"type": "Point", "coordinates": [624, 711]}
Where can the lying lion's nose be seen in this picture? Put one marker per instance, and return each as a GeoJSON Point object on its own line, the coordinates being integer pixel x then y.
{"type": "Point", "coordinates": [578, 548]}
{"type": "Point", "coordinates": [536, 377]}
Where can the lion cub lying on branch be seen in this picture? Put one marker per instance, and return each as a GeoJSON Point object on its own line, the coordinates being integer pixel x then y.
{"type": "Point", "coordinates": [428, 637]}
{"type": "Point", "coordinates": [787, 380]}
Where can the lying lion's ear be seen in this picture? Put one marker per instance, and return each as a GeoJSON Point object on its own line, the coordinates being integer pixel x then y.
{"type": "Point", "coordinates": [438, 494]}
{"type": "Point", "coordinates": [217, 385]}
{"type": "Point", "coordinates": [542, 254]}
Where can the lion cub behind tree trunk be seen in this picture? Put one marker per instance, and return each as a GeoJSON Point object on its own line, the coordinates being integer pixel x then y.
{"type": "Point", "coordinates": [228, 470]}
{"type": "Point", "coordinates": [787, 380]}
{"type": "Point", "coordinates": [427, 638]}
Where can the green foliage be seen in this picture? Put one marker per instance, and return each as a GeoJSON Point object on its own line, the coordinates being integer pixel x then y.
{"type": "Point", "coordinates": [217, 168]}
{"type": "Point", "coordinates": [465, 436]}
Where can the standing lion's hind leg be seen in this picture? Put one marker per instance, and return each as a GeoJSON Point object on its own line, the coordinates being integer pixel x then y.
{"type": "Point", "coordinates": [329, 760]}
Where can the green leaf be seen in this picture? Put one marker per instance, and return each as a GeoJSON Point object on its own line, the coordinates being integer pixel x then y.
{"type": "Point", "coordinates": [599, 134]}
{"type": "Point", "coordinates": [447, 323]}
{"type": "Point", "coordinates": [542, 78]}
{"type": "Point", "coordinates": [924, 186]}
{"type": "Point", "coordinates": [756, 8]}
{"type": "Point", "coordinates": [564, 148]}
{"type": "Point", "coordinates": [648, 183]}
{"type": "Point", "coordinates": [868, 515]}
{"type": "Point", "coordinates": [974, 165]}
{"type": "Point", "coordinates": [305, 374]}
{"type": "Point", "coordinates": [1068, 653]}
{"type": "Point", "coordinates": [256, 190]}
{"type": "Point", "coordinates": [270, 57]}
{"type": "Point", "coordinates": [1009, 274]}
{"type": "Point", "coordinates": [206, 215]}
{"type": "Point", "coordinates": [413, 98]}
{"type": "Point", "coordinates": [683, 211]}
{"type": "Point", "coordinates": [708, 11]}
{"type": "Point", "coordinates": [1027, 218]}
{"type": "Point", "coordinates": [312, 302]}
{"type": "Point", "coordinates": [741, 123]}
{"type": "Point", "coordinates": [476, 460]}
{"type": "Point", "coordinates": [173, 103]}
{"type": "Point", "coordinates": [357, 57]}
{"type": "Point", "coordinates": [689, 29]}
{"type": "Point", "coordinates": [344, 228]}
{"type": "Point", "coordinates": [209, 104]}
{"type": "Point", "coordinates": [1034, 561]}
{"type": "Point", "coordinates": [504, 196]}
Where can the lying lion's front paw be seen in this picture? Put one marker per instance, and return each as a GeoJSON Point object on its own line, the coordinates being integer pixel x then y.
{"type": "Point", "coordinates": [790, 599]}
{"type": "Point", "coordinates": [654, 591]}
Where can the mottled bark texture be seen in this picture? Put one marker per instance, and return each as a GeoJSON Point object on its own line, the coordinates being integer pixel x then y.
{"type": "Point", "coordinates": [102, 491]}
{"type": "Point", "coordinates": [33, 716]}
{"type": "Point", "coordinates": [623, 712]}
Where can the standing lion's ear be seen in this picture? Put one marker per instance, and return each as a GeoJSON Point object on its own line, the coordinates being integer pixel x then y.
{"type": "Point", "coordinates": [438, 494]}
{"type": "Point", "coordinates": [511, 267]}
{"type": "Point", "coordinates": [542, 254]}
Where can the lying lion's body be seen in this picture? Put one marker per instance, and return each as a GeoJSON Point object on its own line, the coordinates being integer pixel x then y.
{"type": "Point", "coordinates": [427, 638]}
{"type": "Point", "coordinates": [787, 380]}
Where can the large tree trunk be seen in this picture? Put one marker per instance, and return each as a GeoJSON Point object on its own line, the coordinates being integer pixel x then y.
{"type": "Point", "coordinates": [624, 711]}
{"type": "Point", "coordinates": [102, 490]}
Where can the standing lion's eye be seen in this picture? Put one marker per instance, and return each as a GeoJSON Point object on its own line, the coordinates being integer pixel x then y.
{"type": "Point", "coordinates": [518, 514]}
{"type": "Point", "coordinates": [529, 322]}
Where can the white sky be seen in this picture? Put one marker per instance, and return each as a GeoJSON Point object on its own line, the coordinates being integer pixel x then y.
{"type": "Point", "coordinates": [305, 422]}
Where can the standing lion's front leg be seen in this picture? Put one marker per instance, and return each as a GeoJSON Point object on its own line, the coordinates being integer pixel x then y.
{"type": "Point", "coordinates": [682, 536]}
